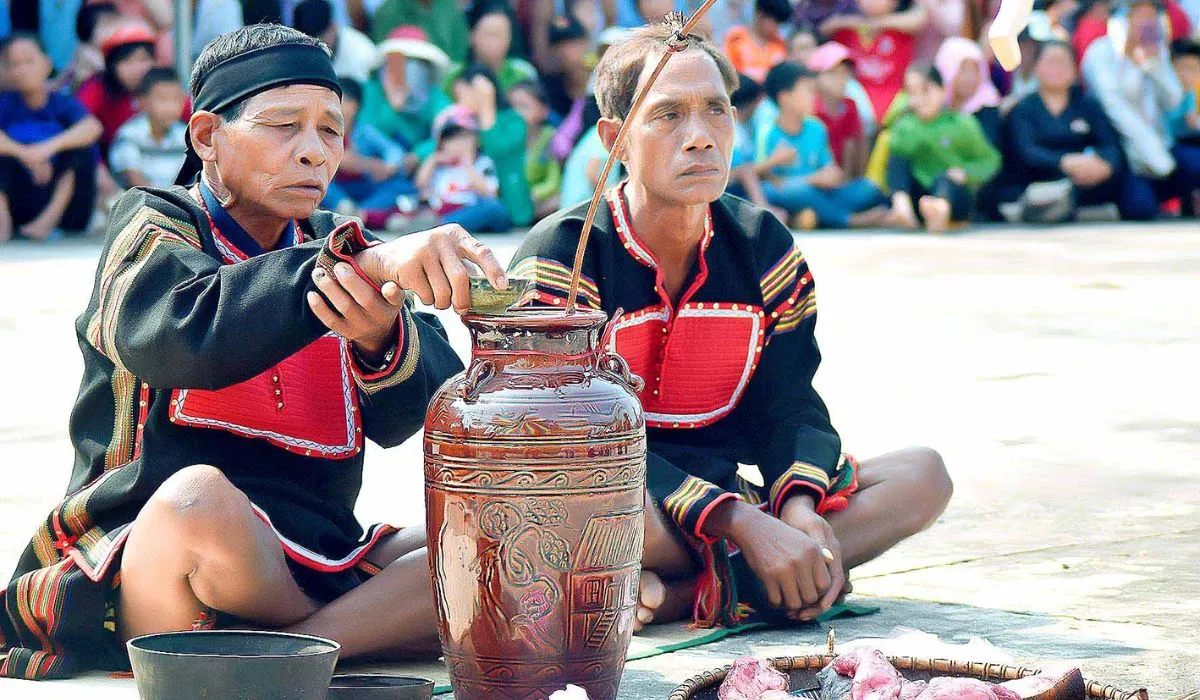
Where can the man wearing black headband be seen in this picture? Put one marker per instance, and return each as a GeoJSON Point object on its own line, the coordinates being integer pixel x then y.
{"type": "Point", "coordinates": [229, 384]}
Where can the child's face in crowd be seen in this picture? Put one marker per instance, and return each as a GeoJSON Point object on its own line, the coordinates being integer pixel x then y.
{"type": "Point", "coordinates": [833, 82]}
{"type": "Point", "coordinates": [967, 80]}
{"type": "Point", "coordinates": [1055, 69]}
{"type": "Point", "coordinates": [461, 147]}
{"type": "Point", "coordinates": [28, 68]}
{"type": "Point", "coordinates": [767, 26]}
{"type": "Point", "coordinates": [801, 46]}
{"type": "Point", "coordinates": [133, 68]}
{"type": "Point", "coordinates": [164, 103]}
{"type": "Point", "coordinates": [529, 107]}
{"type": "Point", "coordinates": [491, 38]}
{"type": "Point", "coordinates": [876, 8]}
{"type": "Point", "coordinates": [349, 110]}
{"type": "Point", "coordinates": [924, 96]}
{"type": "Point", "coordinates": [801, 99]}
{"type": "Point", "coordinates": [1188, 69]}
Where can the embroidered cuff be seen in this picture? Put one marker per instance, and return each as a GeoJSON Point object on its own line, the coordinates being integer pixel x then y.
{"type": "Point", "coordinates": [400, 366]}
{"type": "Point", "coordinates": [799, 478]}
{"type": "Point", "coordinates": [690, 505]}
{"type": "Point", "coordinates": [343, 244]}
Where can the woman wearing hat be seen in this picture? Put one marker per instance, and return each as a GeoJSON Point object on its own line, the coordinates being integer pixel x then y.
{"type": "Point", "coordinates": [109, 96]}
{"type": "Point", "coordinates": [404, 95]}
{"type": "Point", "coordinates": [230, 384]}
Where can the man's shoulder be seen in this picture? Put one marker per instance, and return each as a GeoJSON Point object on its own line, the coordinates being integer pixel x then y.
{"type": "Point", "coordinates": [168, 210]}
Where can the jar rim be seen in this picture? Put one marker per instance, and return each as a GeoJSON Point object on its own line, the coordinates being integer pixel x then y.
{"type": "Point", "coordinates": [537, 318]}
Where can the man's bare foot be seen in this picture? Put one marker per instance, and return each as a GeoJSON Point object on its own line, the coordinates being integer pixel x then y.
{"type": "Point", "coordinates": [936, 212]}
{"type": "Point", "coordinates": [875, 216]}
{"type": "Point", "coordinates": [804, 220]}
{"type": "Point", "coordinates": [652, 593]}
{"type": "Point", "coordinates": [38, 229]}
{"type": "Point", "coordinates": [902, 215]}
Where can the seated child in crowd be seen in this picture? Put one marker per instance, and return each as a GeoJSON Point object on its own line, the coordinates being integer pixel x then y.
{"type": "Point", "coordinates": [755, 49]}
{"type": "Point", "coordinates": [745, 174]}
{"type": "Point", "coordinates": [47, 156]}
{"type": "Point", "coordinates": [1185, 120]}
{"type": "Point", "coordinates": [542, 170]}
{"type": "Point", "coordinates": [460, 184]}
{"type": "Point", "coordinates": [939, 157]}
{"type": "Point", "coordinates": [837, 110]}
{"type": "Point", "coordinates": [1064, 151]}
{"type": "Point", "coordinates": [149, 148]}
{"type": "Point", "coordinates": [370, 179]}
{"type": "Point", "coordinates": [803, 177]}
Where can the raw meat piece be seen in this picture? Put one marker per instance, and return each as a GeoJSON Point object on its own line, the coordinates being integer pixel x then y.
{"type": "Point", "coordinates": [965, 689]}
{"type": "Point", "coordinates": [1067, 686]}
{"type": "Point", "coordinates": [874, 677]}
{"type": "Point", "coordinates": [834, 686]}
{"type": "Point", "coordinates": [911, 690]}
{"type": "Point", "coordinates": [749, 679]}
{"type": "Point", "coordinates": [775, 695]}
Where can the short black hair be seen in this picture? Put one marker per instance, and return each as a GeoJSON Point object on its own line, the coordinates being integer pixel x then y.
{"type": "Point", "coordinates": [534, 88]}
{"type": "Point", "coordinates": [243, 40]}
{"type": "Point", "coordinates": [784, 77]}
{"type": "Point", "coordinates": [482, 9]}
{"type": "Point", "coordinates": [1044, 46]}
{"type": "Point", "coordinates": [1185, 47]}
{"type": "Point", "coordinates": [477, 70]}
{"type": "Point", "coordinates": [778, 10]}
{"type": "Point", "coordinates": [749, 90]}
{"type": "Point", "coordinates": [932, 74]}
{"type": "Point", "coordinates": [89, 18]}
{"type": "Point", "coordinates": [155, 76]}
{"type": "Point", "coordinates": [21, 35]}
{"type": "Point", "coordinates": [313, 17]}
{"type": "Point", "coordinates": [351, 89]}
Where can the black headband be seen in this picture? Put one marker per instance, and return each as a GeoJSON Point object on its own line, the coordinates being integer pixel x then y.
{"type": "Point", "coordinates": [243, 76]}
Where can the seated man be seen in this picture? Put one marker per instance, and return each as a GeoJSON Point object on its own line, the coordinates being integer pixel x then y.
{"type": "Point", "coordinates": [47, 164]}
{"type": "Point", "coordinates": [719, 319]}
{"type": "Point", "coordinates": [220, 423]}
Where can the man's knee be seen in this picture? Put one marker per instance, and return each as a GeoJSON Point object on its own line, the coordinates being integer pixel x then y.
{"type": "Point", "coordinates": [929, 468]}
{"type": "Point", "coordinates": [198, 499]}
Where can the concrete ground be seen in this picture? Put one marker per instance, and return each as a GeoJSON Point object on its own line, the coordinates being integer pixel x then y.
{"type": "Point", "coordinates": [1053, 368]}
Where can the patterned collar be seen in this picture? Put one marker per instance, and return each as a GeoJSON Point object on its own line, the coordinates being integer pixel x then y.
{"type": "Point", "coordinates": [234, 242]}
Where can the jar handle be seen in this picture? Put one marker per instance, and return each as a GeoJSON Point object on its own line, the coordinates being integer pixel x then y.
{"type": "Point", "coordinates": [479, 372]}
{"type": "Point", "coordinates": [616, 368]}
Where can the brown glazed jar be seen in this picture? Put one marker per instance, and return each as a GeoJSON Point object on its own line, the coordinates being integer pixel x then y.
{"type": "Point", "coordinates": [535, 472]}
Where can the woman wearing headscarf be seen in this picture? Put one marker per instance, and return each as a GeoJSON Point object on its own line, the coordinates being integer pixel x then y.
{"type": "Point", "coordinates": [969, 87]}
{"type": "Point", "coordinates": [239, 347]}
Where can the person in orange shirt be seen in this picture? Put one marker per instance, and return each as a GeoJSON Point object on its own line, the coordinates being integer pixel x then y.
{"type": "Point", "coordinates": [758, 48]}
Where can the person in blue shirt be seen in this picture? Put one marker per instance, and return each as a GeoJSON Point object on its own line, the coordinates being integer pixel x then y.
{"type": "Point", "coordinates": [745, 172]}
{"type": "Point", "coordinates": [47, 160]}
{"type": "Point", "coordinates": [802, 176]}
{"type": "Point", "coordinates": [371, 177]}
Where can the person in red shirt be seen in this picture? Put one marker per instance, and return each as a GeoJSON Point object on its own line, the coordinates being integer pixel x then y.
{"type": "Point", "coordinates": [881, 49]}
{"type": "Point", "coordinates": [758, 48]}
{"type": "Point", "coordinates": [847, 139]}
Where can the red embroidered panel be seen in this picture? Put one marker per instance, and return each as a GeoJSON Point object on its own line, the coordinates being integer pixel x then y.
{"type": "Point", "coordinates": [696, 371]}
{"type": "Point", "coordinates": [306, 404]}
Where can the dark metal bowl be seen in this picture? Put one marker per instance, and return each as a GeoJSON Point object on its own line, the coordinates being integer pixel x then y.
{"type": "Point", "coordinates": [370, 686]}
{"type": "Point", "coordinates": [232, 666]}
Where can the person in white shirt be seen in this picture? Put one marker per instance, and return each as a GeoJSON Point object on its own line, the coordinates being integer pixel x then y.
{"type": "Point", "coordinates": [149, 148]}
{"type": "Point", "coordinates": [353, 52]}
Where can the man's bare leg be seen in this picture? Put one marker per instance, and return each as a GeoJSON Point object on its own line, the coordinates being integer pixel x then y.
{"type": "Point", "coordinates": [45, 223]}
{"type": "Point", "coordinates": [6, 224]}
{"type": "Point", "coordinates": [197, 543]}
{"type": "Point", "coordinates": [668, 579]}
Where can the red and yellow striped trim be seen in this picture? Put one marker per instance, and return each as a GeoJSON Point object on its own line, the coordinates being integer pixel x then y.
{"type": "Point", "coordinates": [802, 472]}
{"type": "Point", "coordinates": [555, 276]}
{"type": "Point", "coordinates": [795, 315]}
{"type": "Point", "coordinates": [692, 491]}
{"type": "Point", "coordinates": [777, 279]}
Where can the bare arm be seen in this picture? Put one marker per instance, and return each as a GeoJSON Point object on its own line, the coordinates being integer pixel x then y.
{"type": "Point", "coordinates": [829, 176]}
{"type": "Point", "coordinates": [83, 133]}
{"type": "Point", "coordinates": [8, 147]}
{"type": "Point", "coordinates": [425, 172]}
{"type": "Point", "coordinates": [910, 21]}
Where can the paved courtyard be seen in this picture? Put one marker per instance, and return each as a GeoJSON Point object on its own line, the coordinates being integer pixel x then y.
{"type": "Point", "coordinates": [1055, 369]}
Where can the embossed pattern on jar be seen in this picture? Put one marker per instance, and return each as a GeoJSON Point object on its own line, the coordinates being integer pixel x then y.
{"type": "Point", "coordinates": [535, 465]}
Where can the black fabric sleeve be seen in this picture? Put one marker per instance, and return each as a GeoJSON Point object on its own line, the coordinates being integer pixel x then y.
{"type": "Point", "coordinates": [1023, 130]}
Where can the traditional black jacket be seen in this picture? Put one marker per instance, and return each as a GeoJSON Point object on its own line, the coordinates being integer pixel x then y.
{"type": "Point", "coordinates": [199, 352]}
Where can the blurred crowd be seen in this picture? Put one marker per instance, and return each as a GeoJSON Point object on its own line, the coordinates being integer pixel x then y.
{"type": "Point", "coordinates": [851, 113]}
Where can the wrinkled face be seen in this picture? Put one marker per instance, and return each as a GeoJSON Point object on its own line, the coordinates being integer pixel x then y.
{"type": "Point", "coordinates": [531, 110]}
{"type": "Point", "coordinates": [833, 81]}
{"type": "Point", "coordinates": [968, 79]}
{"type": "Point", "coordinates": [280, 154]}
{"type": "Point", "coordinates": [131, 69]}
{"type": "Point", "coordinates": [681, 141]}
{"type": "Point", "coordinates": [1188, 68]}
{"type": "Point", "coordinates": [924, 96]}
{"type": "Point", "coordinates": [801, 47]}
{"type": "Point", "coordinates": [876, 8]}
{"type": "Point", "coordinates": [1055, 69]}
{"type": "Point", "coordinates": [28, 68]}
{"type": "Point", "coordinates": [164, 102]}
{"type": "Point", "coordinates": [801, 99]}
{"type": "Point", "coordinates": [491, 38]}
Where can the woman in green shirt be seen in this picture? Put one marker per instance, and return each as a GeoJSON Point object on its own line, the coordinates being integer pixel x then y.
{"type": "Point", "coordinates": [491, 43]}
{"type": "Point", "coordinates": [403, 96]}
{"type": "Point", "coordinates": [939, 157]}
{"type": "Point", "coordinates": [543, 172]}
{"type": "Point", "coordinates": [501, 138]}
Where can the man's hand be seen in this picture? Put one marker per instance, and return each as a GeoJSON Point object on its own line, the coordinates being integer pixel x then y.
{"type": "Point", "coordinates": [788, 561]}
{"type": "Point", "coordinates": [36, 159]}
{"type": "Point", "coordinates": [359, 313]}
{"type": "Point", "coordinates": [800, 512]}
{"type": "Point", "coordinates": [430, 265]}
{"type": "Point", "coordinates": [957, 175]}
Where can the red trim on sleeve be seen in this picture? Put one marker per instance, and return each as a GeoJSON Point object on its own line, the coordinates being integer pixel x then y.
{"type": "Point", "coordinates": [358, 243]}
{"type": "Point", "coordinates": [375, 376]}
{"type": "Point", "coordinates": [781, 498]}
{"type": "Point", "coordinates": [707, 539]}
